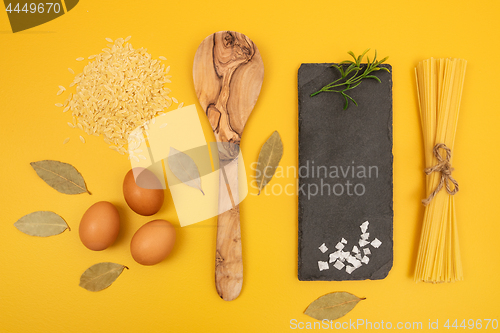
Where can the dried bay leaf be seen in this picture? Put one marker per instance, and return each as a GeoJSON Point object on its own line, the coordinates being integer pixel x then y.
{"type": "Point", "coordinates": [184, 168]}
{"type": "Point", "coordinates": [100, 276]}
{"type": "Point", "coordinates": [41, 224]}
{"type": "Point", "coordinates": [61, 176]}
{"type": "Point", "coordinates": [269, 159]}
{"type": "Point", "coordinates": [332, 306]}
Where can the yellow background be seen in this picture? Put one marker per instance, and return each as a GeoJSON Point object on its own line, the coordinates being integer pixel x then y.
{"type": "Point", "coordinates": [39, 277]}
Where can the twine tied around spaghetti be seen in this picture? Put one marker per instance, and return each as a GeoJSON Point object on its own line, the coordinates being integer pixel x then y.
{"type": "Point", "coordinates": [443, 166]}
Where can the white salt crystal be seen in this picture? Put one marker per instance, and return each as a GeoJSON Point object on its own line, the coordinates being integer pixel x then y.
{"type": "Point", "coordinates": [323, 265]}
{"type": "Point", "coordinates": [376, 243]}
{"type": "Point", "coordinates": [353, 261]}
{"type": "Point", "coordinates": [323, 248]}
{"type": "Point", "coordinates": [365, 260]}
{"type": "Point", "coordinates": [343, 241]}
{"type": "Point", "coordinates": [339, 246]}
{"type": "Point", "coordinates": [344, 255]}
{"type": "Point", "coordinates": [358, 256]}
{"type": "Point", "coordinates": [365, 235]}
{"type": "Point", "coordinates": [362, 242]}
{"type": "Point", "coordinates": [338, 265]}
{"type": "Point", "coordinates": [367, 251]}
{"type": "Point", "coordinates": [355, 249]}
{"type": "Point", "coordinates": [364, 226]}
{"type": "Point", "coordinates": [349, 269]}
{"type": "Point", "coordinates": [334, 256]}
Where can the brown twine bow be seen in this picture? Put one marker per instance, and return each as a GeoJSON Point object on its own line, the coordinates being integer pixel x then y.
{"type": "Point", "coordinates": [443, 166]}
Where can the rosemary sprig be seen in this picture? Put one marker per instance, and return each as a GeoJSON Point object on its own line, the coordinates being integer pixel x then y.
{"type": "Point", "coordinates": [352, 76]}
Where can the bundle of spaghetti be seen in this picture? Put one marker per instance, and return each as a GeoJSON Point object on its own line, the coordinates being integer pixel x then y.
{"type": "Point", "coordinates": [439, 87]}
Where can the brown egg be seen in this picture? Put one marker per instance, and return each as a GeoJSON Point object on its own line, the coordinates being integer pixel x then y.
{"type": "Point", "coordinates": [143, 193]}
{"type": "Point", "coordinates": [153, 242]}
{"type": "Point", "coordinates": [99, 226]}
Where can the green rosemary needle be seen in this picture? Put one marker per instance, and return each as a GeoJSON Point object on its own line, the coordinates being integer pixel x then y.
{"type": "Point", "coordinates": [352, 76]}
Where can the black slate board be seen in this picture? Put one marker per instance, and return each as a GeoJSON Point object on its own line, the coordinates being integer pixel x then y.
{"type": "Point", "coordinates": [331, 137]}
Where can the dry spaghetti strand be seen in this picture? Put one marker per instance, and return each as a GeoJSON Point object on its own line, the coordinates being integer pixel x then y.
{"type": "Point", "coordinates": [439, 86]}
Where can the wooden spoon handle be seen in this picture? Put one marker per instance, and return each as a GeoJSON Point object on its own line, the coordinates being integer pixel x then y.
{"type": "Point", "coordinates": [228, 258]}
{"type": "Point", "coordinates": [228, 262]}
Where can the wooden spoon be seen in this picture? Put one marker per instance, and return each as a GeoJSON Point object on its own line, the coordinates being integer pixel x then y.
{"type": "Point", "coordinates": [228, 73]}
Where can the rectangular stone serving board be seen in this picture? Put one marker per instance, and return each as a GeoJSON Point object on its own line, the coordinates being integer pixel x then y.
{"type": "Point", "coordinates": [335, 142]}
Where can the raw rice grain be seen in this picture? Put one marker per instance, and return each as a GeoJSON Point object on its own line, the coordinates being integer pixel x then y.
{"type": "Point", "coordinates": [118, 92]}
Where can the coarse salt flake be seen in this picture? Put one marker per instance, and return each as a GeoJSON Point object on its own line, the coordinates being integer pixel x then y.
{"type": "Point", "coordinates": [338, 265]}
{"type": "Point", "coordinates": [365, 260]}
{"type": "Point", "coordinates": [355, 249]}
{"type": "Point", "coordinates": [344, 255]}
{"type": "Point", "coordinates": [323, 265]}
{"type": "Point", "coordinates": [362, 242]}
{"type": "Point", "coordinates": [334, 256]}
{"type": "Point", "coordinates": [323, 248]}
{"type": "Point", "coordinates": [343, 241]}
{"type": "Point", "coordinates": [349, 269]}
{"type": "Point", "coordinates": [367, 251]}
{"type": "Point", "coordinates": [364, 226]}
{"type": "Point", "coordinates": [365, 235]}
{"type": "Point", "coordinates": [376, 243]}
{"type": "Point", "coordinates": [353, 261]}
{"type": "Point", "coordinates": [339, 246]}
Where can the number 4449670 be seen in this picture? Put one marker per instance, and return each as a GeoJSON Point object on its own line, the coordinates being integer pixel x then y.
{"type": "Point", "coordinates": [473, 324]}
{"type": "Point", "coordinates": [33, 8]}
